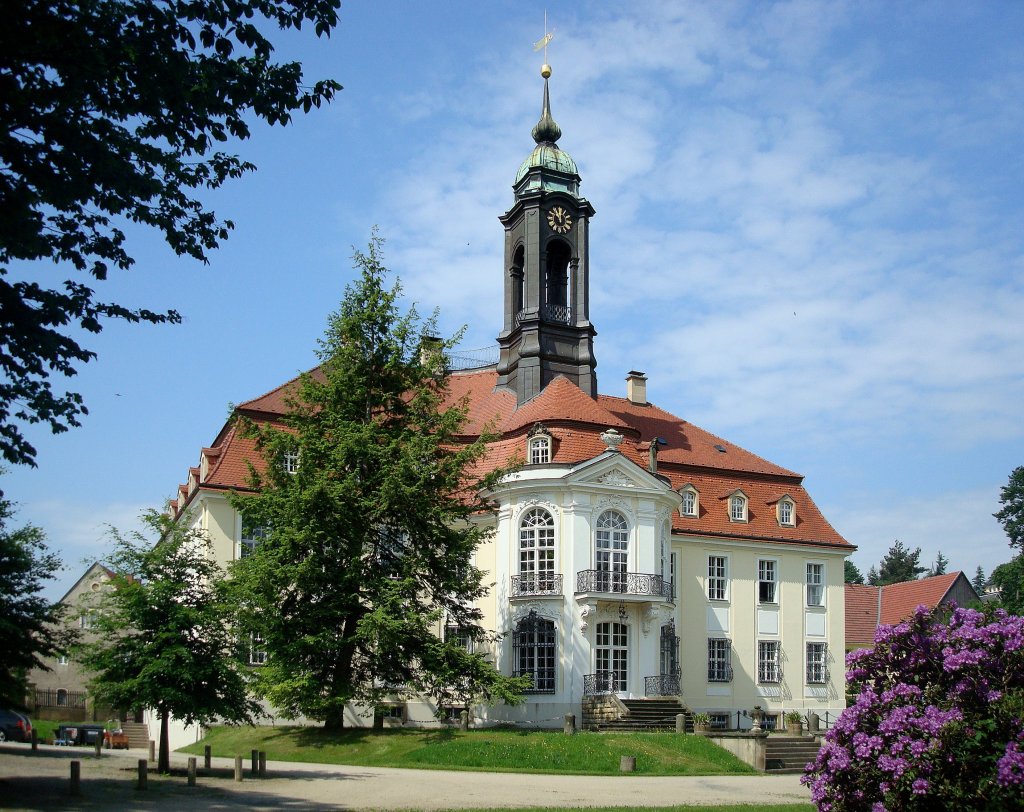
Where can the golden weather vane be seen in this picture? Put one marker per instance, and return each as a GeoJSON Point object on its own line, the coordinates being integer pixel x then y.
{"type": "Point", "coordinates": [543, 43]}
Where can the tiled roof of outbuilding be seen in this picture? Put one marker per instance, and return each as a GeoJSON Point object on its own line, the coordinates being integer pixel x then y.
{"type": "Point", "coordinates": [862, 614]}
{"type": "Point", "coordinates": [900, 600]}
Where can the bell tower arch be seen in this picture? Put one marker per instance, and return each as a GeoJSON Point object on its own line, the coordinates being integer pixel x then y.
{"type": "Point", "coordinates": [547, 330]}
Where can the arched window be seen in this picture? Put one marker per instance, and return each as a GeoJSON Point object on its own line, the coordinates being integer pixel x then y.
{"type": "Point", "coordinates": [536, 552]}
{"type": "Point", "coordinates": [62, 698]}
{"type": "Point", "coordinates": [611, 551]}
{"type": "Point", "coordinates": [533, 652]}
{"type": "Point", "coordinates": [738, 507]}
{"type": "Point", "coordinates": [612, 655]}
{"type": "Point", "coordinates": [786, 512]}
{"type": "Point", "coordinates": [518, 281]}
{"type": "Point", "coordinates": [557, 282]}
{"type": "Point", "coordinates": [689, 504]}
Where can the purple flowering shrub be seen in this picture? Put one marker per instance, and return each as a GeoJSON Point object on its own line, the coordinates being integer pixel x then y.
{"type": "Point", "coordinates": [937, 722]}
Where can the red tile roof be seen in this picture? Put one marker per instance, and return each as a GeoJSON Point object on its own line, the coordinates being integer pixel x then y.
{"type": "Point", "coordinates": [689, 455]}
{"type": "Point", "coordinates": [900, 600]}
{"type": "Point", "coordinates": [863, 607]}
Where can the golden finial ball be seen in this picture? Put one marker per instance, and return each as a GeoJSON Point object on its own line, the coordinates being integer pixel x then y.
{"type": "Point", "coordinates": [545, 70]}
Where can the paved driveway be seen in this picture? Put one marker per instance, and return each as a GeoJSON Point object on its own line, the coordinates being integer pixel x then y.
{"type": "Point", "coordinates": [40, 781]}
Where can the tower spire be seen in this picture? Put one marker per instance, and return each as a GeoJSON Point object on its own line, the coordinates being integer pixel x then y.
{"type": "Point", "coordinates": [547, 130]}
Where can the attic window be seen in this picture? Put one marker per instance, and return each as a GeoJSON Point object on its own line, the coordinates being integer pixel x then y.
{"type": "Point", "coordinates": [786, 512]}
{"type": "Point", "coordinates": [719, 448]}
{"type": "Point", "coordinates": [690, 504]}
{"type": "Point", "coordinates": [538, 446]}
{"type": "Point", "coordinates": [738, 507]}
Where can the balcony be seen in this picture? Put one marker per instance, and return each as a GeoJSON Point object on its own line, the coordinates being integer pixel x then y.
{"type": "Point", "coordinates": [662, 685]}
{"type": "Point", "coordinates": [603, 682]}
{"type": "Point", "coordinates": [624, 584]}
{"type": "Point", "coordinates": [530, 586]}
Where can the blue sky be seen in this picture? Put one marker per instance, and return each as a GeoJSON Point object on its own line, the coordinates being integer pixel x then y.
{"type": "Point", "coordinates": [808, 235]}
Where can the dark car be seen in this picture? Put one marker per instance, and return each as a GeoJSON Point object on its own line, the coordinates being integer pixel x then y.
{"type": "Point", "coordinates": [14, 727]}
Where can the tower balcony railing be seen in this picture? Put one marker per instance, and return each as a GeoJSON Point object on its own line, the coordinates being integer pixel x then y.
{"type": "Point", "coordinates": [641, 584]}
{"type": "Point", "coordinates": [556, 313]}
{"type": "Point", "coordinates": [538, 584]}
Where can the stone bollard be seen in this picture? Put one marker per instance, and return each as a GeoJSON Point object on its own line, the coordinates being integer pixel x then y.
{"type": "Point", "coordinates": [76, 777]}
{"type": "Point", "coordinates": [464, 720]}
{"type": "Point", "coordinates": [255, 755]}
{"type": "Point", "coordinates": [627, 764]}
{"type": "Point", "coordinates": [680, 723]}
{"type": "Point", "coordinates": [813, 723]}
{"type": "Point", "coordinates": [207, 756]}
{"type": "Point", "coordinates": [238, 768]}
{"type": "Point", "coordinates": [143, 774]}
{"type": "Point", "coordinates": [35, 740]}
{"type": "Point", "coordinates": [192, 771]}
{"type": "Point", "coordinates": [99, 746]}
{"type": "Point", "coordinates": [569, 724]}
{"type": "Point", "coordinates": [263, 764]}
{"type": "Point", "coordinates": [152, 750]}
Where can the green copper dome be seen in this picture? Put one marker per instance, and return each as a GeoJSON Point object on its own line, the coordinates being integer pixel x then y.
{"type": "Point", "coordinates": [546, 155]}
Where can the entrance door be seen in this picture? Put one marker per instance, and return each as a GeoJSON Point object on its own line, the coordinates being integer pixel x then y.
{"type": "Point", "coordinates": [612, 656]}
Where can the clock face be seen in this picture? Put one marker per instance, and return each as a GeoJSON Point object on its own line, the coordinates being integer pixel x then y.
{"type": "Point", "coordinates": [560, 220]}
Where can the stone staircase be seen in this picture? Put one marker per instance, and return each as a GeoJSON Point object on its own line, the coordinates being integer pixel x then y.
{"type": "Point", "coordinates": [646, 715]}
{"type": "Point", "coordinates": [789, 754]}
{"type": "Point", "coordinates": [138, 734]}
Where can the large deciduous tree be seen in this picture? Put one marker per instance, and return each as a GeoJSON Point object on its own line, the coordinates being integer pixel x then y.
{"type": "Point", "coordinates": [372, 508]}
{"type": "Point", "coordinates": [165, 638]}
{"type": "Point", "coordinates": [113, 112]}
{"type": "Point", "coordinates": [899, 564]}
{"type": "Point", "coordinates": [30, 627]}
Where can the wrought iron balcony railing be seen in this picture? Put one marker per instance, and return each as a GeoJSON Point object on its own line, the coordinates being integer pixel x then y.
{"type": "Point", "coordinates": [624, 583]}
{"type": "Point", "coordinates": [662, 685]}
{"type": "Point", "coordinates": [603, 682]}
{"type": "Point", "coordinates": [541, 584]}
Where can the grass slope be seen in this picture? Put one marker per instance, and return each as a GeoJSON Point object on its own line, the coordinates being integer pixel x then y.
{"type": "Point", "coordinates": [487, 750]}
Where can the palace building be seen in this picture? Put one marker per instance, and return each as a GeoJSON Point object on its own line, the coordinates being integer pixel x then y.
{"type": "Point", "coordinates": [634, 555]}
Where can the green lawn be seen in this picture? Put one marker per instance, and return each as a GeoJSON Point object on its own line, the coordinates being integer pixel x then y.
{"type": "Point", "coordinates": [729, 808]}
{"type": "Point", "coordinates": [489, 750]}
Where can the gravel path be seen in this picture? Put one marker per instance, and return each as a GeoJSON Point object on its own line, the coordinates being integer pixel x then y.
{"type": "Point", "coordinates": [40, 781]}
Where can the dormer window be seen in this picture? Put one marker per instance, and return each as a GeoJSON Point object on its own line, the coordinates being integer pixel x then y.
{"type": "Point", "coordinates": [539, 445]}
{"type": "Point", "coordinates": [786, 512]}
{"type": "Point", "coordinates": [738, 507]}
{"type": "Point", "coordinates": [690, 503]}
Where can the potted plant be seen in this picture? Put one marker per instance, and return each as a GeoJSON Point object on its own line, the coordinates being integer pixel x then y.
{"type": "Point", "coordinates": [701, 723]}
{"type": "Point", "coordinates": [793, 726]}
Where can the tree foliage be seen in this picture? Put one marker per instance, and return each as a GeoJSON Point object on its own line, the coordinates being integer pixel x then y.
{"type": "Point", "coordinates": [898, 565]}
{"type": "Point", "coordinates": [940, 566]}
{"type": "Point", "coordinates": [164, 633]}
{"type": "Point", "coordinates": [1009, 578]}
{"type": "Point", "coordinates": [370, 541]}
{"type": "Point", "coordinates": [1011, 516]}
{"type": "Point", "coordinates": [851, 575]}
{"type": "Point", "coordinates": [30, 627]}
{"type": "Point", "coordinates": [114, 113]}
{"type": "Point", "coordinates": [937, 721]}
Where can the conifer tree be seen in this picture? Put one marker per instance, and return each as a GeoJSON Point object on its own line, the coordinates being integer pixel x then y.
{"type": "Point", "coordinates": [979, 581]}
{"type": "Point", "coordinates": [1011, 516]}
{"type": "Point", "coordinates": [940, 566]}
{"type": "Point", "coordinates": [899, 564]}
{"type": "Point", "coordinates": [371, 506]}
{"type": "Point", "coordinates": [851, 574]}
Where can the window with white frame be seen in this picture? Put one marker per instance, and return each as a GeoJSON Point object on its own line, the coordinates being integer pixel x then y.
{"type": "Point", "coordinates": [787, 512]}
{"type": "Point", "coordinates": [673, 569]}
{"type": "Point", "coordinates": [768, 661]}
{"type": "Point", "coordinates": [719, 659]}
{"type": "Point", "coordinates": [252, 537]}
{"type": "Point", "coordinates": [453, 633]}
{"type": "Point", "coordinates": [718, 578]}
{"type": "Point", "coordinates": [817, 663]}
{"type": "Point", "coordinates": [738, 507]}
{"type": "Point", "coordinates": [257, 652]}
{"type": "Point", "coordinates": [688, 507]}
{"type": "Point", "coordinates": [62, 659]}
{"type": "Point", "coordinates": [290, 461]}
{"type": "Point", "coordinates": [767, 580]}
{"type": "Point", "coordinates": [815, 584]}
{"type": "Point", "coordinates": [537, 552]}
{"type": "Point", "coordinates": [87, 620]}
{"type": "Point", "coordinates": [540, 450]}
{"type": "Point", "coordinates": [611, 553]}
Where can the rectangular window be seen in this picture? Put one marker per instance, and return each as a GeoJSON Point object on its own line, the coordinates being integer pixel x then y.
{"type": "Point", "coordinates": [257, 654]}
{"type": "Point", "coordinates": [87, 620]}
{"type": "Point", "coordinates": [459, 635]}
{"type": "Point", "coordinates": [290, 462]}
{"type": "Point", "coordinates": [719, 721]}
{"type": "Point", "coordinates": [540, 451]}
{"type": "Point", "coordinates": [252, 537]}
{"type": "Point", "coordinates": [767, 581]}
{"type": "Point", "coordinates": [673, 569]}
{"type": "Point", "coordinates": [718, 578]}
{"type": "Point", "coordinates": [817, 669]}
{"type": "Point", "coordinates": [62, 659]}
{"type": "Point", "coordinates": [719, 660]}
{"type": "Point", "coordinates": [815, 584]}
{"type": "Point", "coordinates": [768, 661]}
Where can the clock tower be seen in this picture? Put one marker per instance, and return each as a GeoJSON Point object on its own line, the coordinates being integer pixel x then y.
{"type": "Point", "coordinates": [547, 330]}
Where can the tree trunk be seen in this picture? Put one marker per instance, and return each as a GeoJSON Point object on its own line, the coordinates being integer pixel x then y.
{"type": "Point", "coordinates": [164, 760]}
{"type": "Point", "coordinates": [335, 720]}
